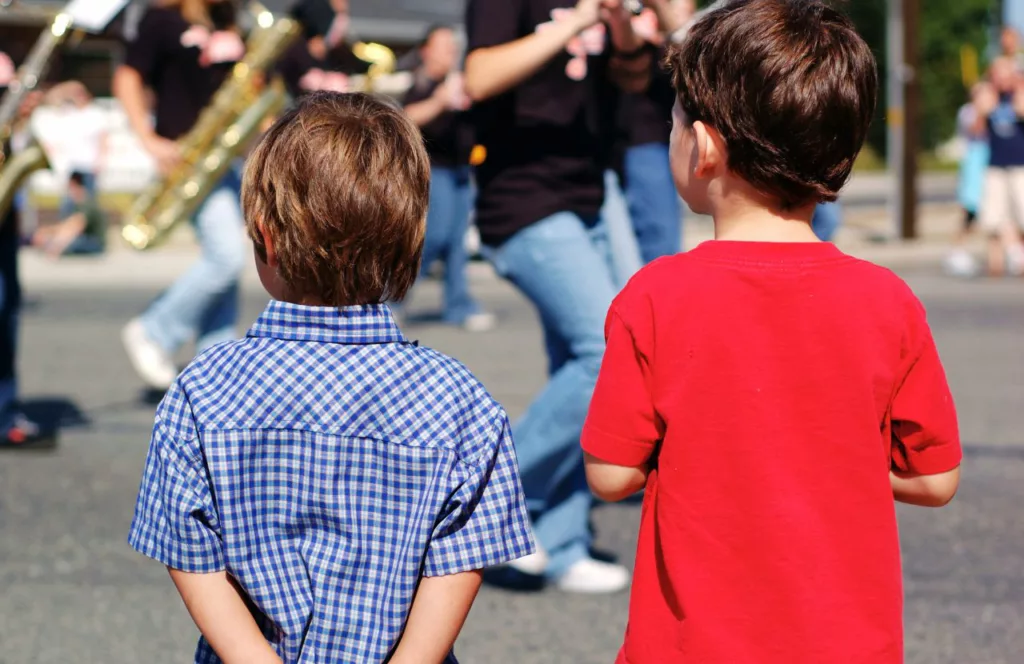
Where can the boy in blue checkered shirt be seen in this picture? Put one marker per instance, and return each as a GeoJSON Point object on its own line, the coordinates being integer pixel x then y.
{"type": "Point", "coordinates": [325, 490]}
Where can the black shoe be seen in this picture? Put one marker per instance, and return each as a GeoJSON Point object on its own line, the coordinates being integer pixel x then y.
{"type": "Point", "coordinates": [26, 434]}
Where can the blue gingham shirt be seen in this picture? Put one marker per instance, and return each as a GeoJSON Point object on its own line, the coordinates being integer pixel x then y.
{"type": "Point", "coordinates": [327, 464]}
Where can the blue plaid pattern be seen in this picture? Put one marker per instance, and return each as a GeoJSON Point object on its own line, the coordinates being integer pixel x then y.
{"type": "Point", "coordinates": [326, 463]}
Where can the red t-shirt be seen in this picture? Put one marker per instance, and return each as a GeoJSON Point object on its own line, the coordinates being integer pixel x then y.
{"type": "Point", "coordinates": [772, 387]}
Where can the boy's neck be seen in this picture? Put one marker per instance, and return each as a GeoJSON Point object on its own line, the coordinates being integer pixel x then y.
{"type": "Point", "coordinates": [751, 219]}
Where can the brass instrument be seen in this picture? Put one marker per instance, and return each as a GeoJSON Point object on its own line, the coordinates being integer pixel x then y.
{"type": "Point", "coordinates": [382, 64]}
{"type": "Point", "coordinates": [224, 128]}
{"type": "Point", "coordinates": [15, 170]}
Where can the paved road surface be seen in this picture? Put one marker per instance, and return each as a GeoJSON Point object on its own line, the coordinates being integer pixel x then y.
{"type": "Point", "coordinates": [72, 591]}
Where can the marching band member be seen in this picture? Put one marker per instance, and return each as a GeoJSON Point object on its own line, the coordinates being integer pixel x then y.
{"type": "Point", "coordinates": [437, 104]}
{"type": "Point", "coordinates": [545, 77]}
{"type": "Point", "coordinates": [322, 60]}
{"type": "Point", "coordinates": [182, 52]}
{"type": "Point", "coordinates": [16, 430]}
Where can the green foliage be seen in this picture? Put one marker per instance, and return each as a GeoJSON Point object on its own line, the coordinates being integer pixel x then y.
{"type": "Point", "coordinates": [945, 27]}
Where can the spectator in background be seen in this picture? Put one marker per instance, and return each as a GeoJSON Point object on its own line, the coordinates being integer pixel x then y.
{"type": "Point", "coordinates": [1000, 113]}
{"type": "Point", "coordinates": [82, 231]}
{"type": "Point", "coordinates": [322, 60]}
{"type": "Point", "coordinates": [971, 182]}
{"type": "Point", "coordinates": [437, 104]}
{"type": "Point", "coordinates": [1009, 46]}
{"type": "Point", "coordinates": [545, 77]}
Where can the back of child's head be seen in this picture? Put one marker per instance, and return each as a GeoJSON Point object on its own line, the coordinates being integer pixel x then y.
{"type": "Point", "coordinates": [339, 187]}
{"type": "Point", "coordinates": [788, 84]}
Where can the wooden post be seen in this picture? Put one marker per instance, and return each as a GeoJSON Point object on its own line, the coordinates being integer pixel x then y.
{"type": "Point", "coordinates": [912, 117]}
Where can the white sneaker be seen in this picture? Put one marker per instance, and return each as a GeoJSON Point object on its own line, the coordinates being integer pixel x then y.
{"type": "Point", "coordinates": [481, 322]}
{"type": "Point", "coordinates": [593, 577]}
{"type": "Point", "coordinates": [150, 361]}
{"type": "Point", "coordinates": [960, 263]}
{"type": "Point", "coordinates": [533, 564]}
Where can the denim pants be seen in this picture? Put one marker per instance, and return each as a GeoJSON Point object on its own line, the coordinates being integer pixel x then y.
{"type": "Point", "coordinates": [10, 304]}
{"type": "Point", "coordinates": [653, 201]}
{"type": "Point", "coordinates": [203, 303]}
{"type": "Point", "coordinates": [563, 267]}
{"type": "Point", "coordinates": [626, 258]}
{"type": "Point", "coordinates": [826, 220]}
{"type": "Point", "coordinates": [451, 198]}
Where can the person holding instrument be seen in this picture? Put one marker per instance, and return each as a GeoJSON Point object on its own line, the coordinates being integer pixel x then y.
{"type": "Point", "coordinates": [322, 60]}
{"type": "Point", "coordinates": [183, 51]}
{"type": "Point", "coordinates": [545, 77]}
{"type": "Point", "coordinates": [16, 430]}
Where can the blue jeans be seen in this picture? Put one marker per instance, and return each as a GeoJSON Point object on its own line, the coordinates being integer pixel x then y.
{"type": "Point", "coordinates": [203, 303]}
{"type": "Point", "coordinates": [826, 221]}
{"type": "Point", "coordinates": [67, 206]}
{"type": "Point", "coordinates": [564, 269]}
{"type": "Point", "coordinates": [451, 197]}
{"type": "Point", "coordinates": [653, 201]}
{"type": "Point", "coordinates": [626, 259]}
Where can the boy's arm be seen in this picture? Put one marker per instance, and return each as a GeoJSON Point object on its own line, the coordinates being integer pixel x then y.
{"type": "Point", "coordinates": [622, 428]}
{"type": "Point", "coordinates": [438, 612]}
{"type": "Point", "coordinates": [612, 483]}
{"type": "Point", "coordinates": [926, 452]}
{"type": "Point", "coordinates": [925, 490]}
{"type": "Point", "coordinates": [218, 607]}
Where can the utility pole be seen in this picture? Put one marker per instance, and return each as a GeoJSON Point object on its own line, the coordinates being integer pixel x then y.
{"type": "Point", "coordinates": [903, 113]}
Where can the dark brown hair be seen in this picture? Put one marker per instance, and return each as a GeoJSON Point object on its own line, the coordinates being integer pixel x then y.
{"type": "Point", "coordinates": [790, 86]}
{"type": "Point", "coordinates": [341, 184]}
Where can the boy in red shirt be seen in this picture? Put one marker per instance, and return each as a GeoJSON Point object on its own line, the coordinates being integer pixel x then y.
{"type": "Point", "coordinates": [772, 394]}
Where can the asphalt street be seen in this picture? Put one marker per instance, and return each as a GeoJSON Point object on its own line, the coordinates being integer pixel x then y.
{"type": "Point", "coordinates": [72, 591]}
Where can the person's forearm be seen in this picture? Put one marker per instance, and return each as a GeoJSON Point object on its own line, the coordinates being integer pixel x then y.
{"type": "Point", "coordinates": [436, 618]}
{"type": "Point", "coordinates": [424, 112]}
{"type": "Point", "coordinates": [130, 91]}
{"type": "Point", "coordinates": [669, 20]}
{"type": "Point", "coordinates": [495, 70]}
{"type": "Point", "coordinates": [925, 490]}
{"type": "Point", "coordinates": [219, 611]}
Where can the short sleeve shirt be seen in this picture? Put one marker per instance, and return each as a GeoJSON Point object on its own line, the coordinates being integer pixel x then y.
{"type": "Point", "coordinates": [326, 463]}
{"type": "Point", "coordinates": [771, 387]}
{"type": "Point", "coordinates": [183, 64]}
{"type": "Point", "coordinates": [548, 140]}
{"type": "Point", "coordinates": [449, 137]}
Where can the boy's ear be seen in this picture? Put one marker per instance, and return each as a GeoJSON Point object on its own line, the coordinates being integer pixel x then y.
{"type": "Point", "coordinates": [711, 152]}
{"type": "Point", "coordinates": [270, 254]}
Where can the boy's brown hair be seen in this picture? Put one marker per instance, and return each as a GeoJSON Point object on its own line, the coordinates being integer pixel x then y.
{"type": "Point", "coordinates": [340, 184]}
{"type": "Point", "coordinates": [790, 86]}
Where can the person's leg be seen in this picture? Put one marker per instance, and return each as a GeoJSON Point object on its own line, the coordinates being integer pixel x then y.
{"type": "Point", "coordinates": [626, 260]}
{"type": "Point", "coordinates": [202, 303]}
{"type": "Point", "coordinates": [653, 201]}
{"type": "Point", "coordinates": [459, 304]}
{"type": "Point", "coordinates": [826, 221]}
{"type": "Point", "coordinates": [1011, 238]}
{"type": "Point", "coordinates": [555, 264]}
{"type": "Point", "coordinates": [995, 213]}
{"type": "Point", "coordinates": [10, 296]}
{"type": "Point", "coordinates": [83, 245]}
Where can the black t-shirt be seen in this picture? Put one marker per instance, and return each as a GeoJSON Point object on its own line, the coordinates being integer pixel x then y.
{"type": "Point", "coordinates": [302, 73]}
{"type": "Point", "coordinates": [449, 137]}
{"type": "Point", "coordinates": [167, 52]}
{"type": "Point", "coordinates": [548, 140]}
{"type": "Point", "coordinates": [646, 117]}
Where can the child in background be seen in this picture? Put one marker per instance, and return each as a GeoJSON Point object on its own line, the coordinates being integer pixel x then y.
{"type": "Point", "coordinates": [971, 183]}
{"type": "Point", "coordinates": [325, 490]}
{"type": "Point", "coordinates": [772, 394]}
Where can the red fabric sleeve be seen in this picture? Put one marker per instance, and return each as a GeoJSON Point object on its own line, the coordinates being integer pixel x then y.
{"type": "Point", "coordinates": [925, 434]}
{"type": "Point", "coordinates": [622, 426]}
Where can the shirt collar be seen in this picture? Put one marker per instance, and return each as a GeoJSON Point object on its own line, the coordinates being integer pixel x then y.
{"type": "Point", "coordinates": [368, 324]}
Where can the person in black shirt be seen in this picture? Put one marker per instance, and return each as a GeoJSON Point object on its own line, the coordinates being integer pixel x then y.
{"type": "Point", "coordinates": [183, 51]}
{"type": "Point", "coordinates": [437, 104]}
{"type": "Point", "coordinates": [545, 76]}
{"type": "Point", "coordinates": [322, 60]}
{"type": "Point", "coordinates": [646, 122]}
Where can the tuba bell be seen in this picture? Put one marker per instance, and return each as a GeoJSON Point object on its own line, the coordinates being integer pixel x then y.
{"type": "Point", "coordinates": [223, 130]}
